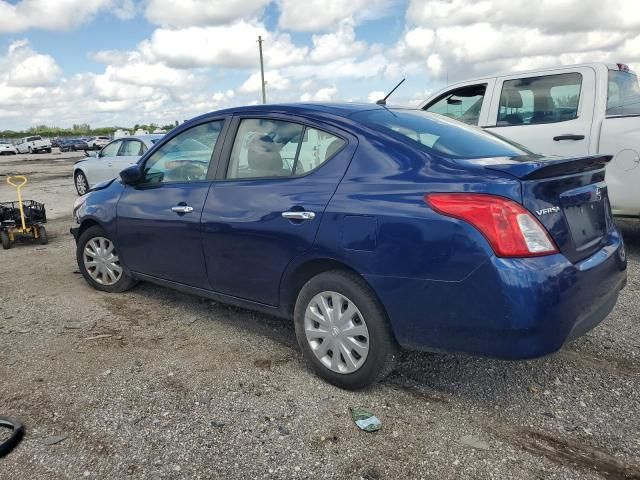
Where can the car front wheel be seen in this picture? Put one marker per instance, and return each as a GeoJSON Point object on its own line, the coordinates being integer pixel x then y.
{"type": "Point", "coordinates": [81, 182]}
{"type": "Point", "coordinates": [343, 330]}
{"type": "Point", "coordinates": [99, 263]}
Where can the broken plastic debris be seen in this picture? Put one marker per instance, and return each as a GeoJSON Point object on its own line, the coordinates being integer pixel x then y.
{"type": "Point", "coordinates": [365, 420]}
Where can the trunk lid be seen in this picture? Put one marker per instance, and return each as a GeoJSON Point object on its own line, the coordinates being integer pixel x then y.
{"type": "Point", "coordinates": [568, 196]}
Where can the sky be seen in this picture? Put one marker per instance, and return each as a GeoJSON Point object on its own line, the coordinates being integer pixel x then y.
{"type": "Point", "coordinates": [122, 62]}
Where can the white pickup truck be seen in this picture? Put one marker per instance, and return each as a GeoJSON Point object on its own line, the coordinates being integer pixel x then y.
{"type": "Point", "coordinates": [585, 109]}
{"type": "Point", "coordinates": [33, 144]}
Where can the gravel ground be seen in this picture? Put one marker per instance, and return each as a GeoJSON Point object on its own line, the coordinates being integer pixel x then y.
{"type": "Point", "coordinates": [157, 384]}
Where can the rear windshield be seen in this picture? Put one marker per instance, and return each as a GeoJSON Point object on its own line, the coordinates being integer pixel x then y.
{"type": "Point", "coordinates": [623, 96]}
{"type": "Point", "coordinates": [438, 133]}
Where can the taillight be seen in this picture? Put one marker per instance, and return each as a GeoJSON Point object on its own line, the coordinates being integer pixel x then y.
{"type": "Point", "coordinates": [510, 229]}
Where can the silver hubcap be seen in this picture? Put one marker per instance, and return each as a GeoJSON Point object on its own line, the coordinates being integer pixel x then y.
{"type": "Point", "coordinates": [101, 261]}
{"type": "Point", "coordinates": [81, 184]}
{"type": "Point", "coordinates": [336, 332]}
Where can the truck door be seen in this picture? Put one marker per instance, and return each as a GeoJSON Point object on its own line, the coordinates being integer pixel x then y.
{"type": "Point", "coordinates": [548, 112]}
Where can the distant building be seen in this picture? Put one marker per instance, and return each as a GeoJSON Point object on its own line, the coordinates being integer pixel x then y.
{"type": "Point", "coordinates": [121, 133]}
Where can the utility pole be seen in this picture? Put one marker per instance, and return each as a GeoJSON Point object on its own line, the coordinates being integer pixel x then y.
{"type": "Point", "coordinates": [264, 94]}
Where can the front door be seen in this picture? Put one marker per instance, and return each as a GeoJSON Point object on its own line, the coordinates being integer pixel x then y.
{"type": "Point", "coordinates": [101, 168]}
{"type": "Point", "coordinates": [266, 206]}
{"type": "Point", "coordinates": [159, 219]}
{"type": "Point", "coordinates": [128, 155]}
{"type": "Point", "coordinates": [550, 114]}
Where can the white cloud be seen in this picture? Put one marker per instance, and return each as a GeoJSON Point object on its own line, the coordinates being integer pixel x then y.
{"type": "Point", "coordinates": [316, 15]}
{"type": "Point", "coordinates": [234, 45]}
{"type": "Point", "coordinates": [339, 44]}
{"type": "Point", "coordinates": [57, 15]}
{"type": "Point", "coordinates": [273, 78]}
{"type": "Point", "coordinates": [24, 67]}
{"type": "Point", "coordinates": [189, 13]}
{"type": "Point", "coordinates": [325, 94]}
{"type": "Point", "coordinates": [466, 38]}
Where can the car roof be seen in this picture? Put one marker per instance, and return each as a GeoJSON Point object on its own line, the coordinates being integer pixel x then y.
{"type": "Point", "coordinates": [345, 109]}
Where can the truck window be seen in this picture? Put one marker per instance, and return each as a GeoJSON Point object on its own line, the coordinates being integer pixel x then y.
{"type": "Point", "coordinates": [33, 139]}
{"type": "Point", "coordinates": [544, 99]}
{"type": "Point", "coordinates": [623, 96]}
{"type": "Point", "coordinates": [462, 104]}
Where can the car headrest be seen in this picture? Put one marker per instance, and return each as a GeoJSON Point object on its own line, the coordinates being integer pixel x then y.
{"type": "Point", "coordinates": [333, 148]}
{"type": "Point", "coordinates": [264, 155]}
{"type": "Point", "coordinates": [510, 98]}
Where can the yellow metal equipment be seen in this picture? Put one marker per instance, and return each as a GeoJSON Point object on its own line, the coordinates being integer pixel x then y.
{"type": "Point", "coordinates": [30, 221]}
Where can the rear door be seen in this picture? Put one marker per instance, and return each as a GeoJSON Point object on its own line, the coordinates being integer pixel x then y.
{"type": "Point", "coordinates": [549, 113]}
{"type": "Point", "coordinates": [267, 204]}
{"type": "Point", "coordinates": [158, 221]}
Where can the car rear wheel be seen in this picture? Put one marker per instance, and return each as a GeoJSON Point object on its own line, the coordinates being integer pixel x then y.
{"type": "Point", "coordinates": [343, 330]}
{"type": "Point", "coordinates": [99, 263]}
{"type": "Point", "coordinates": [81, 182]}
{"type": "Point", "coordinates": [42, 235]}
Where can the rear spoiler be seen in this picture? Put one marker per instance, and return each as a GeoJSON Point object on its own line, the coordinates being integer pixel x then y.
{"type": "Point", "coordinates": [535, 169]}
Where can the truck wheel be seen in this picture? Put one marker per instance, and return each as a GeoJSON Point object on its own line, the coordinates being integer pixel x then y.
{"type": "Point", "coordinates": [30, 151]}
{"type": "Point", "coordinates": [48, 150]}
{"type": "Point", "coordinates": [4, 237]}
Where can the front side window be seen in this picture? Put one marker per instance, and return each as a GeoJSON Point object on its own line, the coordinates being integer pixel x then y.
{"type": "Point", "coordinates": [272, 148]}
{"type": "Point", "coordinates": [111, 150]}
{"type": "Point", "coordinates": [546, 99]}
{"type": "Point", "coordinates": [462, 104]}
{"type": "Point", "coordinates": [186, 157]}
{"type": "Point", "coordinates": [131, 148]}
{"type": "Point", "coordinates": [623, 93]}
{"type": "Point", "coordinates": [436, 133]}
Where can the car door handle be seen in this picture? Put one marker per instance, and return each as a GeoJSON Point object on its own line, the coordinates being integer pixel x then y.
{"type": "Point", "coordinates": [182, 209]}
{"type": "Point", "coordinates": [568, 136]}
{"type": "Point", "coordinates": [299, 215]}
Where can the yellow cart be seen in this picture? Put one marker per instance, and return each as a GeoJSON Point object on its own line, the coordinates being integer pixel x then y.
{"type": "Point", "coordinates": [21, 220]}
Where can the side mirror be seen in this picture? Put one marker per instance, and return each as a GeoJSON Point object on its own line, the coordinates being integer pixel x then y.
{"type": "Point", "coordinates": [91, 154]}
{"type": "Point", "coordinates": [132, 175]}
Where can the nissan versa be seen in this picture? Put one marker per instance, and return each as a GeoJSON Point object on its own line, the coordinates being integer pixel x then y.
{"type": "Point", "coordinates": [372, 227]}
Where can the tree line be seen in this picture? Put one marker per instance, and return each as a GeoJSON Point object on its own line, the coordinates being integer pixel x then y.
{"type": "Point", "coordinates": [79, 130]}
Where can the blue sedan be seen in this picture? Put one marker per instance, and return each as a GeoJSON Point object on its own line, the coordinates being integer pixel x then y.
{"type": "Point", "coordinates": [373, 228]}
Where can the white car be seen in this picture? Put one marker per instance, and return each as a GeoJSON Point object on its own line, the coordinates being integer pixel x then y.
{"type": "Point", "coordinates": [34, 144]}
{"type": "Point", "coordinates": [96, 143]}
{"type": "Point", "coordinates": [110, 161]}
{"type": "Point", "coordinates": [577, 110]}
{"type": "Point", "coordinates": [7, 148]}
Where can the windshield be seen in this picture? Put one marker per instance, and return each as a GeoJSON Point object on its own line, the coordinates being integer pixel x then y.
{"type": "Point", "coordinates": [443, 135]}
{"type": "Point", "coordinates": [623, 96]}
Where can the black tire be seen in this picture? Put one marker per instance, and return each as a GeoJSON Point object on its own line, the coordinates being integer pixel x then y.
{"type": "Point", "coordinates": [383, 348]}
{"type": "Point", "coordinates": [30, 151]}
{"type": "Point", "coordinates": [42, 236]}
{"type": "Point", "coordinates": [48, 150]}
{"type": "Point", "coordinates": [80, 177]}
{"type": "Point", "coordinates": [4, 238]}
{"type": "Point", "coordinates": [124, 283]}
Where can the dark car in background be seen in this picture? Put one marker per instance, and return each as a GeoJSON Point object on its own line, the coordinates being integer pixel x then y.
{"type": "Point", "coordinates": [370, 227]}
{"type": "Point", "coordinates": [73, 145]}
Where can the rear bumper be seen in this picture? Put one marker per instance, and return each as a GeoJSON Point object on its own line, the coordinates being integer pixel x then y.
{"type": "Point", "coordinates": [507, 308]}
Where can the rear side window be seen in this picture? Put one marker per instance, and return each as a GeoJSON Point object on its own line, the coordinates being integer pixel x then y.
{"type": "Point", "coordinates": [623, 96]}
{"type": "Point", "coordinates": [265, 148]}
{"type": "Point", "coordinates": [462, 104]}
{"type": "Point", "coordinates": [436, 133]}
{"type": "Point", "coordinates": [545, 99]}
{"type": "Point", "coordinates": [33, 139]}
